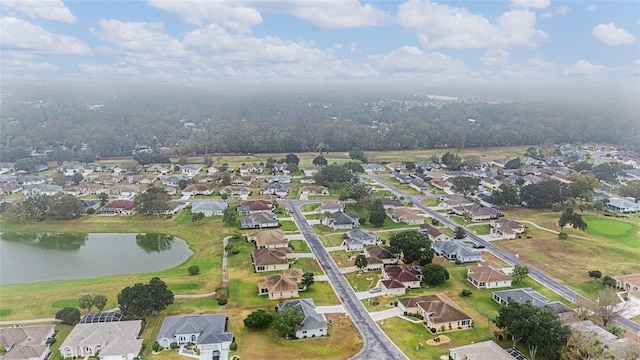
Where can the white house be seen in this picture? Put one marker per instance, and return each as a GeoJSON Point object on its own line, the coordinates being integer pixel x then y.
{"type": "Point", "coordinates": [113, 340]}
{"type": "Point", "coordinates": [313, 324]}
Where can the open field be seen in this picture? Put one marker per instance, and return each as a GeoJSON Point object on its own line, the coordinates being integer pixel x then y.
{"type": "Point", "coordinates": [23, 301]}
{"type": "Point", "coordinates": [609, 245]}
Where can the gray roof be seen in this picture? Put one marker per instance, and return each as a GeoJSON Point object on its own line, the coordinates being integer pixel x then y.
{"type": "Point", "coordinates": [455, 247]}
{"type": "Point", "coordinates": [211, 328]}
{"type": "Point", "coordinates": [204, 206]}
{"type": "Point", "coordinates": [524, 295]}
{"type": "Point", "coordinates": [312, 320]}
{"type": "Point", "coordinates": [363, 235]}
{"type": "Point", "coordinates": [117, 338]}
{"type": "Point", "coordinates": [390, 202]}
{"type": "Point", "coordinates": [340, 218]}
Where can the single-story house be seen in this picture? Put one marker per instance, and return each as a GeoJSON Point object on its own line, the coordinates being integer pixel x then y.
{"type": "Point", "coordinates": [276, 189]}
{"type": "Point", "coordinates": [314, 190]}
{"type": "Point", "coordinates": [269, 239]}
{"type": "Point", "coordinates": [112, 340]}
{"type": "Point", "coordinates": [419, 184]}
{"type": "Point", "coordinates": [26, 342]}
{"type": "Point", "coordinates": [330, 206]}
{"type": "Point", "coordinates": [255, 207]}
{"type": "Point", "coordinates": [250, 169]}
{"type": "Point", "coordinates": [268, 259]}
{"type": "Point", "coordinates": [209, 208]}
{"type": "Point", "coordinates": [406, 276]}
{"type": "Point", "coordinates": [190, 170]}
{"type": "Point", "coordinates": [455, 200]}
{"type": "Point", "coordinates": [379, 256]}
{"type": "Point", "coordinates": [160, 168]}
{"type": "Point", "coordinates": [488, 276]}
{"type": "Point", "coordinates": [207, 332]}
{"type": "Point", "coordinates": [197, 189]}
{"type": "Point", "coordinates": [118, 207]}
{"type": "Point", "coordinates": [403, 178]}
{"type": "Point", "coordinates": [388, 203]}
{"type": "Point", "coordinates": [313, 324]}
{"type": "Point", "coordinates": [631, 284]}
{"type": "Point", "coordinates": [623, 205]}
{"type": "Point", "coordinates": [396, 166]}
{"type": "Point", "coordinates": [506, 229]}
{"type": "Point", "coordinates": [11, 188]}
{"type": "Point", "coordinates": [241, 191]}
{"type": "Point", "coordinates": [485, 350]}
{"type": "Point", "coordinates": [242, 180]}
{"type": "Point", "coordinates": [281, 179]}
{"type": "Point", "coordinates": [437, 310]}
{"type": "Point", "coordinates": [490, 183]}
{"type": "Point", "coordinates": [282, 286]}
{"type": "Point", "coordinates": [310, 170]}
{"type": "Point", "coordinates": [42, 190]}
{"type": "Point", "coordinates": [127, 191]}
{"type": "Point", "coordinates": [524, 295]}
{"type": "Point", "coordinates": [33, 180]}
{"type": "Point", "coordinates": [307, 180]}
{"type": "Point", "coordinates": [456, 250]}
{"type": "Point", "coordinates": [173, 180]}
{"type": "Point", "coordinates": [174, 206]}
{"type": "Point", "coordinates": [357, 239]}
{"type": "Point", "coordinates": [612, 347]}
{"type": "Point", "coordinates": [441, 184]}
{"type": "Point", "coordinates": [405, 215]}
{"type": "Point", "coordinates": [259, 221]}
{"type": "Point", "coordinates": [341, 221]}
{"type": "Point", "coordinates": [434, 233]}
{"type": "Point", "coordinates": [373, 168]}
{"type": "Point", "coordinates": [476, 213]}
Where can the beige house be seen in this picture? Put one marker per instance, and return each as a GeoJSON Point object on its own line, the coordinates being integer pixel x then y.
{"type": "Point", "coordinates": [630, 284]}
{"type": "Point", "coordinates": [379, 256]}
{"type": "Point", "coordinates": [282, 286]}
{"type": "Point", "coordinates": [113, 340]}
{"type": "Point", "coordinates": [488, 275]}
{"type": "Point", "coordinates": [486, 350]}
{"type": "Point", "coordinates": [506, 229]}
{"type": "Point", "coordinates": [405, 215]}
{"type": "Point", "coordinates": [269, 239]}
{"type": "Point", "coordinates": [314, 191]}
{"type": "Point", "coordinates": [437, 310]}
{"type": "Point", "coordinates": [267, 259]}
{"type": "Point", "coordinates": [26, 342]}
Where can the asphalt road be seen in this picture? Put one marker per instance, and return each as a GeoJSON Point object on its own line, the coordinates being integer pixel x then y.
{"type": "Point", "coordinates": [376, 343]}
{"type": "Point", "coordinates": [533, 272]}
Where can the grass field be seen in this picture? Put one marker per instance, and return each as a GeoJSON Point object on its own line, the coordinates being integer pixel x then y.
{"type": "Point", "coordinates": [609, 245]}
{"type": "Point", "coordinates": [300, 246]}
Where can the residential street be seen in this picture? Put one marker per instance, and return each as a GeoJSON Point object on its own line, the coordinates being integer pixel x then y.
{"type": "Point", "coordinates": [533, 272]}
{"type": "Point", "coordinates": [376, 343]}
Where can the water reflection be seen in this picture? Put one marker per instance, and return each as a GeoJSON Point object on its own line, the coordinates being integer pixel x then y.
{"type": "Point", "coordinates": [49, 240]}
{"type": "Point", "coordinates": [154, 242]}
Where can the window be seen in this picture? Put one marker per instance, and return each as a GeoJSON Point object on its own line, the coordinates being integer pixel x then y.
{"type": "Point", "coordinates": [193, 338]}
{"type": "Point", "coordinates": [304, 331]}
{"type": "Point", "coordinates": [260, 268]}
{"type": "Point", "coordinates": [88, 350]}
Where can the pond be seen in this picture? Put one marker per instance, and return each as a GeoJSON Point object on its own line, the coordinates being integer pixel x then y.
{"type": "Point", "coordinates": [35, 257]}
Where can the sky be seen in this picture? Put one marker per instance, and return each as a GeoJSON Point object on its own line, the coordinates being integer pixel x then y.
{"type": "Point", "coordinates": [415, 41]}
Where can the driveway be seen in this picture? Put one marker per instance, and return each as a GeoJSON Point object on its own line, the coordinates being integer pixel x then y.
{"type": "Point", "coordinates": [385, 314]}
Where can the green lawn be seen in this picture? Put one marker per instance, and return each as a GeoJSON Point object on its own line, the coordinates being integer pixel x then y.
{"type": "Point", "coordinates": [288, 226]}
{"type": "Point", "coordinates": [309, 207]}
{"type": "Point", "coordinates": [361, 281]}
{"type": "Point", "coordinates": [621, 231]}
{"type": "Point", "coordinates": [341, 257]}
{"type": "Point", "coordinates": [307, 265]}
{"type": "Point", "coordinates": [299, 246]}
{"type": "Point", "coordinates": [332, 240]}
{"type": "Point", "coordinates": [483, 229]}
{"type": "Point", "coordinates": [431, 202]}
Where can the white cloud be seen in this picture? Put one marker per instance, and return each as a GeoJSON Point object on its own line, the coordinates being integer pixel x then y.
{"type": "Point", "coordinates": [21, 34]}
{"type": "Point", "coordinates": [583, 67]}
{"type": "Point", "coordinates": [495, 57]}
{"type": "Point", "coordinates": [232, 15]}
{"type": "Point", "coordinates": [591, 7]}
{"type": "Point", "coordinates": [445, 26]}
{"type": "Point", "coordinates": [537, 4]}
{"type": "Point", "coordinates": [21, 62]}
{"type": "Point", "coordinates": [610, 35]}
{"type": "Point", "coordinates": [334, 14]}
{"type": "Point", "coordinates": [562, 10]}
{"type": "Point", "coordinates": [98, 69]}
{"type": "Point", "coordinates": [46, 9]}
{"type": "Point", "coordinates": [354, 50]}
{"type": "Point", "coordinates": [412, 59]}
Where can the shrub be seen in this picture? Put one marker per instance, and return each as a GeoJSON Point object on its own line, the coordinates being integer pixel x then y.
{"type": "Point", "coordinates": [156, 347]}
{"type": "Point", "coordinates": [433, 330]}
{"type": "Point", "coordinates": [233, 346]}
{"type": "Point", "coordinates": [174, 345]}
{"type": "Point", "coordinates": [466, 292]}
{"type": "Point", "coordinates": [222, 301]}
{"type": "Point", "coordinates": [91, 211]}
{"type": "Point", "coordinates": [50, 341]}
{"type": "Point", "coordinates": [235, 251]}
{"type": "Point", "coordinates": [563, 235]}
{"type": "Point", "coordinates": [193, 270]}
{"type": "Point", "coordinates": [596, 274]}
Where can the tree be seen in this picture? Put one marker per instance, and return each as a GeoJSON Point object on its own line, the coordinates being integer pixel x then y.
{"type": "Point", "coordinates": [193, 270]}
{"type": "Point", "coordinates": [35, 207]}
{"type": "Point", "coordinates": [320, 161]}
{"type": "Point", "coordinates": [258, 319]}
{"type": "Point", "coordinates": [610, 282]}
{"type": "Point", "coordinates": [460, 233]}
{"type": "Point", "coordinates": [76, 178]}
{"type": "Point", "coordinates": [357, 154]}
{"type": "Point", "coordinates": [606, 305]}
{"type": "Point", "coordinates": [355, 192]}
{"type": "Point", "coordinates": [472, 161]}
{"type": "Point", "coordinates": [520, 272]}
{"type": "Point", "coordinates": [608, 171]}
{"type": "Point", "coordinates": [451, 161]}
{"type": "Point", "coordinates": [230, 215]}
{"type": "Point", "coordinates": [104, 199]}
{"type": "Point", "coordinates": [292, 159]}
{"type": "Point", "coordinates": [361, 261]}
{"type": "Point", "coordinates": [512, 164]}
{"type": "Point", "coordinates": [542, 194]}
{"type": "Point", "coordinates": [286, 322]}
{"type": "Point", "coordinates": [377, 214]}
{"type": "Point", "coordinates": [27, 164]}
{"type": "Point", "coordinates": [153, 201]}
{"type": "Point", "coordinates": [413, 245]}
{"type": "Point", "coordinates": [465, 184]}
{"type": "Point", "coordinates": [141, 299]}
{"type": "Point", "coordinates": [307, 279]}
{"type": "Point", "coordinates": [582, 166]}
{"type": "Point", "coordinates": [183, 161]}
{"type": "Point", "coordinates": [59, 179]}
{"type": "Point", "coordinates": [572, 218]}
{"type": "Point", "coordinates": [631, 189]}
{"type": "Point", "coordinates": [355, 167]}
{"type": "Point", "coordinates": [334, 174]}
{"type": "Point", "coordinates": [505, 195]}
{"type": "Point", "coordinates": [64, 207]}
{"type": "Point", "coordinates": [68, 316]}
{"type": "Point", "coordinates": [99, 301]}
{"type": "Point", "coordinates": [207, 161]}
{"type": "Point", "coordinates": [86, 302]}
{"type": "Point", "coordinates": [596, 274]}
{"type": "Point", "coordinates": [197, 218]}
{"type": "Point", "coordinates": [581, 186]}
{"type": "Point", "coordinates": [226, 179]}
{"type": "Point", "coordinates": [434, 274]}
{"type": "Point", "coordinates": [539, 327]}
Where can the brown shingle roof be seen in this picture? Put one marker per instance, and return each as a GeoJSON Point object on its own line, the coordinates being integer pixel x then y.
{"type": "Point", "coordinates": [487, 274]}
{"type": "Point", "coordinates": [441, 309]}
{"type": "Point", "coordinates": [265, 256]}
{"type": "Point", "coordinates": [269, 237]}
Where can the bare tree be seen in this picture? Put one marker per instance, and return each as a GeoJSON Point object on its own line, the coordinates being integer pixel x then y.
{"type": "Point", "coordinates": [607, 306]}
